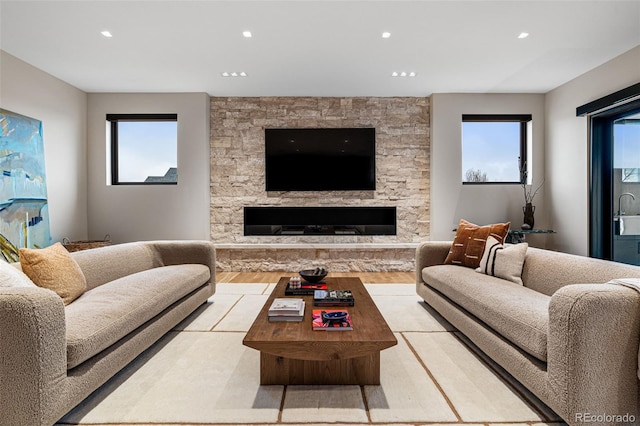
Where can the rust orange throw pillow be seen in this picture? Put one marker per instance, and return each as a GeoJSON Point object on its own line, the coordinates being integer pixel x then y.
{"type": "Point", "coordinates": [468, 245]}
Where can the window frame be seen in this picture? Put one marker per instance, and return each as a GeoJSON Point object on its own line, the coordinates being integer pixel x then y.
{"type": "Point", "coordinates": [524, 120]}
{"type": "Point", "coordinates": [113, 120]}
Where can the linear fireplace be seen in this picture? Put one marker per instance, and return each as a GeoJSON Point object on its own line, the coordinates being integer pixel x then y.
{"type": "Point", "coordinates": [319, 221]}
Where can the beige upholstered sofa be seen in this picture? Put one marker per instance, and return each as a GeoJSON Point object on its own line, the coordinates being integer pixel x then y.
{"type": "Point", "coordinates": [53, 356]}
{"type": "Point", "coordinates": [571, 339]}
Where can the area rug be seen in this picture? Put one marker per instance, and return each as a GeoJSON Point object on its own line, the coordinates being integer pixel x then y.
{"type": "Point", "coordinates": [201, 374]}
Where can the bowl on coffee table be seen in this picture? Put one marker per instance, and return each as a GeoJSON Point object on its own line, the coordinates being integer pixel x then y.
{"type": "Point", "coordinates": [313, 275]}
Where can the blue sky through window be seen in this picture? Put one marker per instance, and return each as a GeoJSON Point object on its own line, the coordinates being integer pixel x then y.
{"type": "Point", "coordinates": [493, 148]}
{"type": "Point", "coordinates": [146, 148]}
{"type": "Point", "coordinates": [626, 151]}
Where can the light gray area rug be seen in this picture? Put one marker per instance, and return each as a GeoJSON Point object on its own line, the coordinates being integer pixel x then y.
{"type": "Point", "coordinates": [200, 373]}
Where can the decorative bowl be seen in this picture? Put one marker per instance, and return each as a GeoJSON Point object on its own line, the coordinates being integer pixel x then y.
{"type": "Point", "coordinates": [335, 315]}
{"type": "Point", "coordinates": [334, 319]}
{"type": "Point", "coordinates": [313, 275]}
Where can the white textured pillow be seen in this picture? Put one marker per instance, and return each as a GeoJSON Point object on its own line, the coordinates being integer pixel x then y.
{"type": "Point", "coordinates": [503, 261]}
{"type": "Point", "coordinates": [10, 276]}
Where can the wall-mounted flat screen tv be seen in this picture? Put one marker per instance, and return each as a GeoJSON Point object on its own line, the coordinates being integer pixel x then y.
{"type": "Point", "coordinates": [320, 159]}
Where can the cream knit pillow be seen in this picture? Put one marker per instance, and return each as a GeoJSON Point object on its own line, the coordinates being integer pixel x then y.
{"type": "Point", "coordinates": [10, 276]}
{"type": "Point", "coordinates": [55, 269]}
{"type": "Point", "coordinates": [503, 261]}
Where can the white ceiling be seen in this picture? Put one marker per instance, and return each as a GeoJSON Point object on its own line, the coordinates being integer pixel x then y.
{"type": "Point", "coordinates": [318, 48]}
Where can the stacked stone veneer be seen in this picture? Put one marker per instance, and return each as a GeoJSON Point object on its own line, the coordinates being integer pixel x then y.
{"type": "Point", "coordinates": [238, 180]}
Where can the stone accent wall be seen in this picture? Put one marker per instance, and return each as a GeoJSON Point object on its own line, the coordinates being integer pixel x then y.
{"type": "Point", "coordinates": [237, 162]}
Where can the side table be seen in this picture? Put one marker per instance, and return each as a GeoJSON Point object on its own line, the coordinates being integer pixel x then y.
{"type": "Point", "coordinates": [516, 236]}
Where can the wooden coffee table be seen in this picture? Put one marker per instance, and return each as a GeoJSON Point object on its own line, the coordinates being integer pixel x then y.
{"type": "Point", "coordinates": [292, 353]}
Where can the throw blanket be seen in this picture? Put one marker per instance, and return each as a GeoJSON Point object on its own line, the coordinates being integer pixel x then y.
{"type": "Point", "coordinates": [633, 283]}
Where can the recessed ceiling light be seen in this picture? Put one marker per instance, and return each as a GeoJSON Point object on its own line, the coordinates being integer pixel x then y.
{"type": "Point", "coordinates": [523, 35]}
{"type": "Point", "coordinates": [386, 34]}
{"type": "Point", "coordinates": [106, 34]}
{"type": "Point", "coordinates": [234, 74]}
{"type": "Point", "coordinates": [247, 34]}
{"type": "Point", "coordinates": [403, 74]}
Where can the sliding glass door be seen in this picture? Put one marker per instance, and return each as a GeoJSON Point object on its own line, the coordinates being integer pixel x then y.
{"type": "Point", "coordinates": [626, 188]}
{"type": "Point", "coordinates": [615, 184]}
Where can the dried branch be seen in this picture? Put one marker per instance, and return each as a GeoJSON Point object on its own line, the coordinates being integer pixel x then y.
{"type": "Point", "coordinates": [529, 192]}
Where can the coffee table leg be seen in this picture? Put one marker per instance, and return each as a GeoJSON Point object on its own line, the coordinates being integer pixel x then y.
{"type": "Point", "coordinates": [276, 370]}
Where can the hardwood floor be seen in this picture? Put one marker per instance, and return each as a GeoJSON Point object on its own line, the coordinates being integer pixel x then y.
{"type": "Point", "coordinates": [273, 277]}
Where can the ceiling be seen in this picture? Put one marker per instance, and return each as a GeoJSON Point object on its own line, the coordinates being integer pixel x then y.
{"type": "Point", "coordinates": [318, 48]}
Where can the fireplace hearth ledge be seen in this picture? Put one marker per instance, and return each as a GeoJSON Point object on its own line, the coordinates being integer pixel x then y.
{"type": "Point", "coordinates": [336, 257]}
{"type": "Point", "coordinates": [293, 246]}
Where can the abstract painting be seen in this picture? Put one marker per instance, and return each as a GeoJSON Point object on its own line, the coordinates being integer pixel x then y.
{"type": "Point", "coordinates": [24, 212]}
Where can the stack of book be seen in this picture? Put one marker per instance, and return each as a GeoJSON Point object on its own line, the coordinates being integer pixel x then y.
{"type": "Point", "coordinates": [333, 298]}
{"type": "Point", "coordinates": [286, 309]}
{"type": "Point", "coordinates": [304, 289]}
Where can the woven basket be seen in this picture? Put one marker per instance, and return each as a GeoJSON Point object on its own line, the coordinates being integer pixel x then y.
{"type": "Point", "coordinates": [85, 245]}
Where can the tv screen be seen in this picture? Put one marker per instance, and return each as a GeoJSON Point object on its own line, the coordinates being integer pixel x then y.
{"type": "Point", "coordinates": [320, 159]}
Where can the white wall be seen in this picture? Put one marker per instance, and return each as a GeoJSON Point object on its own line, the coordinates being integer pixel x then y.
{"type": "Point", "coordinates": [567, 148]}
{"type": "Point", "coordinates": [62, 109]}
{"type": "Point", "coordinates": [481, 204]}
{"type": "Point", "coordinates": [139, 212]}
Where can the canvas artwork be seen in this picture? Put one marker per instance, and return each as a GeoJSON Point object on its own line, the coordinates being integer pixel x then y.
{"type": "Point", "coordinates": [24, 213]}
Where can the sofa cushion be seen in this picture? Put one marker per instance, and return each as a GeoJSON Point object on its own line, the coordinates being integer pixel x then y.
{"type": "Point", "coordinates": [107, 313]}
{"type": "Point", "coordinates": [54, 268]}
{"type": "Point", "coordinates": [519, 314]}
{"type": "Point", "coordinates": [547, 271]}
{"type": "Point", "coordinates": [105, 264]}
{"type": "Point", "coordinates": [468, 244]}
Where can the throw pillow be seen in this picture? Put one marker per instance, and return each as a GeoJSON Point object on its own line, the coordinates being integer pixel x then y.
{"type": "Point", "coordinates": [468, 244]}
{"type": "Point", "coordinates": [503, 261]}
{"type": "Point", "coordinates": [10, 276]}
{"type": "Point", "coordinates": [55, 269]}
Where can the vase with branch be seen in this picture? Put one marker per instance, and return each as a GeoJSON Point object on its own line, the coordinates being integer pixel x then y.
{"type": "Point", "coordinates": [529, 194]}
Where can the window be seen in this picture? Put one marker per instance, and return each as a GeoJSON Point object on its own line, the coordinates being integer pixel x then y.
{"type": "Point", "coordinates": [494, 148]}
{"type": "Point", "coordinates": [144, 149]}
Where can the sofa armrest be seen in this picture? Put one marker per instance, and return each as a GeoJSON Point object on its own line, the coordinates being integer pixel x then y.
{"type": "Point", "coordinates": [33, 356]}
{"type": "Point", "coordinates": [430, 253]}
{"type": "Point", "coordinates": [593, 341]}
{"type": "Point", "coordinates": [188, 251]}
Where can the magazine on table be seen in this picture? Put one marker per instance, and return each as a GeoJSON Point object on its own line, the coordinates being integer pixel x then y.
{"type": "Point", "coordinates": [331, 320]}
